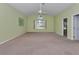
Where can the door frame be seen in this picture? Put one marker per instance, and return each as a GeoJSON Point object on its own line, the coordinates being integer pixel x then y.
{"type": "Point", "coordinates": [63, 26]}
{"type": "Point", "coordinates": [73, 26]}
{"type": "Point", "coordinates": [72, 17]}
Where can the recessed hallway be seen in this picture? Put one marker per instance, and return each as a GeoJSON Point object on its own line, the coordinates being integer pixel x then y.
{"type": "Point", "coordinates": [40, 44]}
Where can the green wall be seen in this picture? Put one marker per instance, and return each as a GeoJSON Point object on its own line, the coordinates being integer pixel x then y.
{"type": "Point", "coordinates": [49, 28]}
{"type": "Point", "coordinates": [9, 27]}
{"type": "Point", "coordinates": [68, 13]}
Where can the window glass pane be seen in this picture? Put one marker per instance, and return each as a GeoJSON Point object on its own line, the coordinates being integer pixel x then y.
{"type": "Point", "coordinates": [40, 24]}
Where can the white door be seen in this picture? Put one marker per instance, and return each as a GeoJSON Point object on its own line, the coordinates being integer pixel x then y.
{"type": "Point", "coordinates": [76, 27]}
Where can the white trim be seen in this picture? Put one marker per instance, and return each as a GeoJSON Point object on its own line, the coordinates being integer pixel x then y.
{"type": "Point", "coordinates": [11, 38]}
{"type": "Point", "coordinates": [62, 26]}
{"type": "Point", "coordinates": [72, 25]}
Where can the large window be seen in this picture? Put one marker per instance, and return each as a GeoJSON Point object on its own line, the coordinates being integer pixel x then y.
{"type": "Point", "coordinates": [40, 24]}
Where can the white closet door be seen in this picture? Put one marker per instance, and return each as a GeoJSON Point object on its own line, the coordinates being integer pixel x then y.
{"type": "Point", "coordinates": [74, 34]}
{"type": "Point", "coordinates": [76, 27]}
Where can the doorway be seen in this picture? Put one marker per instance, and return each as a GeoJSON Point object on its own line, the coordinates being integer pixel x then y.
{"type": "Point", "coordinates": [76, 27]}
{"type": "Point", "coordinates": [65, 27]}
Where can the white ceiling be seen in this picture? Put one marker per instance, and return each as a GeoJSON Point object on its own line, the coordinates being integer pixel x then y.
{"type": "Point", "coordinates": [48, 8]}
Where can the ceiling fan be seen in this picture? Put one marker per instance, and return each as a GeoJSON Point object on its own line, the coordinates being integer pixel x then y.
{"type": "Point", "coordinates": [41, 11]}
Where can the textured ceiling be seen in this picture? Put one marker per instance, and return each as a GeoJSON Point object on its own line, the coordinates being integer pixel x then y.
{"type": "Point", "coordinates": [48, 9]}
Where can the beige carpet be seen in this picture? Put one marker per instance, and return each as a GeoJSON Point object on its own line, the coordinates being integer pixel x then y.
{"type": "Point", "coordinates": [40, 44]}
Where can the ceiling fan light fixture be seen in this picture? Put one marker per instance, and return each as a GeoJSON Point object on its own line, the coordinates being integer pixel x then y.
{"type": "Point", "coordinates": [40, 12]}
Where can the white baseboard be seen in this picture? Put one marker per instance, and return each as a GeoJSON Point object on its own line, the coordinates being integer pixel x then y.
{"type": "Point", "coordinates": [11, 38]}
